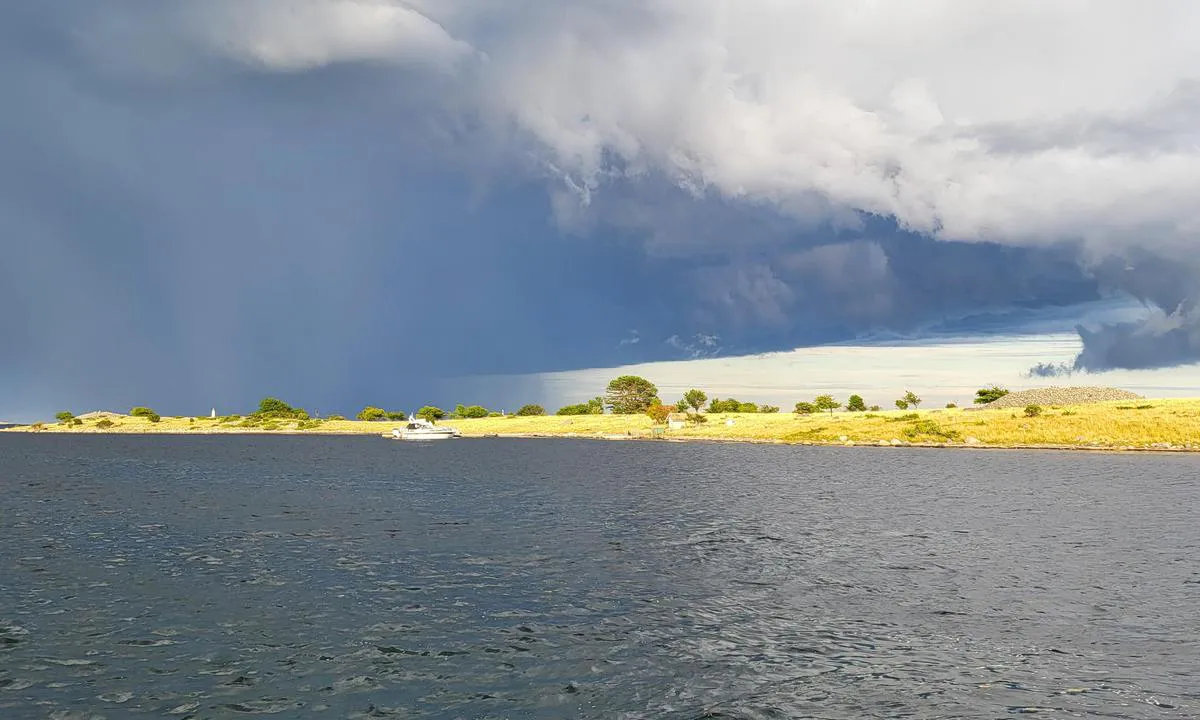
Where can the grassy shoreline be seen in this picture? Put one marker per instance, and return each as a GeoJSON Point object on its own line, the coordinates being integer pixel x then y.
{"type": "Point", "coordinates": [1164, 425]}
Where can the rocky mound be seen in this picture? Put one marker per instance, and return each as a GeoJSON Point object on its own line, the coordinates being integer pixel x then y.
{"type": "Point", "coordinates": [1061, 396]}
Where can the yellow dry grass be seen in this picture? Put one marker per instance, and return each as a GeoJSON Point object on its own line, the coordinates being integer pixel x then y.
{"type": "Point", "coordinates": [1132, 424]}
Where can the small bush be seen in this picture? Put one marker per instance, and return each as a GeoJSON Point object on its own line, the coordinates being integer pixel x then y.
{"type": "Point", "coordinates": [951, 406]}
{"type": "Point", "coordinates": [528, 411]}
{"type": "Point", "coordinates": [697, 418]}
{"type": "Point", "coordinates": [769, 409]}
{"type": "Point", "coordinates": [105, 423]}
{"type": "Point", "coordinates": [929, 428]}
{"type": "Point", "coordinates": [1033, 410]}
{"type": "Point", "coordinates": [76, 422]}
{"type": "Point", "coordinates": [308, 424]}
{"type": "Point", "coordinates": [64, 417]}
{"type": "Point", "coordinates": [805, 408]}
{"type": "Point", "coordinates": [904, 418]}
{"type": "Point", "coordinates": [874, 408]}
{"type": "Point", "coordinates": [141, 412]}
{"type": "Point", "coordinates": [856, 404]}
{"type": "Point", "coordinates": [497, 414]}
{"type": "Point", "coordinates": [902, 404]}
{"type": "Point", "coordinates": [336, 417]}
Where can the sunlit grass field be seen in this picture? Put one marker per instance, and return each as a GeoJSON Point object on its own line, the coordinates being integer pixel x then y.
{"type": "Point", "coordinates": [1133, 424]}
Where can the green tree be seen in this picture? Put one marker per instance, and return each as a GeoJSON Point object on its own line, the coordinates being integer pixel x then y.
{"type": "Point", "coordinates": [747, 407]}
{"type": "Point", "coordinates": [805, 408]}
{"type": "Point", "coordinates": [105, 423]}
{"type": "Point", "coordinates": [911, 398]}
{"type": "Point", "coordinates": [951, 406]}
{"type": "Point", "coordinates": [1033, 410]}
{"type": "Point", "coordinates": [902, 404]}
{"type": "Point", "coordinates": [826, 402]}
{"type": "Point", "coordinates": [986, 395]}
{"type": "Point", "coordinates": [875, 408]}
{"type": "Point", "coordinates": [471, 412]}
{"type": "Point", "coordinates": [531, 410]}
{"type": "Point", "coordinates": [595, 406]}
{"type": "Point", "coordinates": [431, 413]}
{"type": "Point", "coordinates": [725, 406]}
{"type": "Point", "coordinates": [64, 417]}
{"type": "Point", "coordinates": [693, 399]}
{"type": "Point", "coordinates": [393, 415]}
{"type": "Point", "coordinates": [630, 394]}
{"type": "Point", "coordinates": [270, 407]}
{"type": "Point", "coordinates": [768, 409]}
{"type": "Point", "coordinates": [856, 404]}
{"type": "Point", "coordinates": [145, 412]}
{"type": "Point", "coordinates": [370, 414]}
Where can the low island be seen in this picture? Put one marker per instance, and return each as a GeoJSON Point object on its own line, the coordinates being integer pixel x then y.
{"type": "Point", "coordinates": [1066, 418]}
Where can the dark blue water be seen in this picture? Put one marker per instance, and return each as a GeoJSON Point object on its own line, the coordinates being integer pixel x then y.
{"type": "Point", "coordinates": [314, 577]}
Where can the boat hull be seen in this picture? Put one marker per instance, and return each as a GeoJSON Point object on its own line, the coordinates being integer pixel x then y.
{"type": "Point", "coordinates": [426, 437]}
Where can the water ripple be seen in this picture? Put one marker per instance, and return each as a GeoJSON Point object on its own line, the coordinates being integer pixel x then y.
{"type": "Point", "coordinates": [348, 578]}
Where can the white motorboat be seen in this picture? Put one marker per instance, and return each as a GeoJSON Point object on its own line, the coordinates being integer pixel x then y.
{"type": "Point", "coordinates": [421, 429]}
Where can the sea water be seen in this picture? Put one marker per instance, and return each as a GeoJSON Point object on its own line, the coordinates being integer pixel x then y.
{"type": "Point", "coordinates": [356, 577]}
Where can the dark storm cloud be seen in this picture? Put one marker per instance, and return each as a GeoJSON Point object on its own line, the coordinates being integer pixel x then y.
{"type": "Point", "coordinates": [341, 202]}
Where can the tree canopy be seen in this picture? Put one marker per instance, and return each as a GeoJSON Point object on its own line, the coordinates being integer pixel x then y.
{"type": "Point", "coordinates": [531, 410]}
{"type": "Point", "coordinates": [693, 399]}
{"type": "Point", "coordinates": [595, 406]}
{"type": "Point", "coordinates": [372, 413]}
{"type": "Point", "coordinates": [911, 398]}
{"type": "Point", "coordinates": [146, 413]}
{"type": "Point", "coordinates": [630, 394]}
{"type": "Point", "coordinates": [826, 402]}
{"type": "Point", "coordinates": [431, 413]}
{"type": "Point", "coordinates": [659, 412]}
{"type": "Point", "coordinates": [989, 394]}
{"type": "Point", "coordinates": [270, 407]}
{"type": "Point", "coordinates": [731, 405]}
{"type": "Point", "coordinates": [471, 411]}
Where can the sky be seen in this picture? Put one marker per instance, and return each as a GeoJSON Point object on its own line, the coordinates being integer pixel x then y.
{"type": "Point", "coordinates": [387, 202]}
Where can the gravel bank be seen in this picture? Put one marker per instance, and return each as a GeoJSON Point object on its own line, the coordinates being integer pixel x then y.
{"type": "Point", "coordinates": [1061, 396]}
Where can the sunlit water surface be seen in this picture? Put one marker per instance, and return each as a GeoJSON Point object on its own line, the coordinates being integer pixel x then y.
{"type": "Point", "coordinates": [220, 577]}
